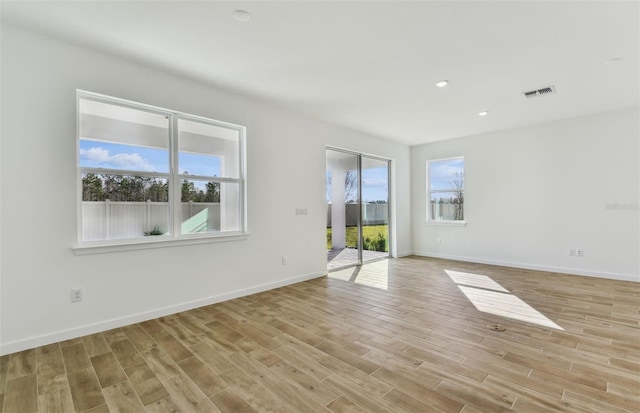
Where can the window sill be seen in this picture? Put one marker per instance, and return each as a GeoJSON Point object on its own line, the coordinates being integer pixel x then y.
{"type": "Point", "coordinates": [448, 223]}
{"type": "Point", "coordinates": [143, 244]}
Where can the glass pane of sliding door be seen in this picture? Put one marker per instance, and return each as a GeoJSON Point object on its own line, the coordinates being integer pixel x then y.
{"type": "Point", "coordinates": [375, 208]}
{"type": "Point", "coordinates": [342, 209]}
{"type": "Point", "coordinates": [357, 195]}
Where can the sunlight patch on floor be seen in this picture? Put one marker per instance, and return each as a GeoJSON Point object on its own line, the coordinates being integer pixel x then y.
{"type": "Point", "coordinates": [475, 280]}
{"type": "Point", "coordinates": [374, 274]}
{"type": "Point", "coordinates": [490, 297]}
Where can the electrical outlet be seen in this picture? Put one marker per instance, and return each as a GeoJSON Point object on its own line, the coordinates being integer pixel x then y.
{"type": "Point", "coordinates": [76, 295]}
{"type": "Point", "coordinates": [284, 260]}
{"type": "Point", "coordinates": [579, 252]}
{"type": "Point", "coordinates": [572, 252]}
{"type": "Point", "coordinates": [438, 240]}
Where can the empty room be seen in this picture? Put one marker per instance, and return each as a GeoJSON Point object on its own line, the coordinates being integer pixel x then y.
{"type": "Point", "coordinates": [319, 206]}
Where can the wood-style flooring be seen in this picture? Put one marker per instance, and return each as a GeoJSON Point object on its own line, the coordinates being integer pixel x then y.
{"type": "Point", "coordinates": [395, 336]}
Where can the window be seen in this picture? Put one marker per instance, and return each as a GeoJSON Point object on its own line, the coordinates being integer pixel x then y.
{"type": "Point", "coordinates": [445, 181]}
{"type": "Point", "coordinates": [151, 174]}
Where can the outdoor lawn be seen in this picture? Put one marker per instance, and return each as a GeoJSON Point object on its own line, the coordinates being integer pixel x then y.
{"type": "Point", "coordinates": [373, 232]}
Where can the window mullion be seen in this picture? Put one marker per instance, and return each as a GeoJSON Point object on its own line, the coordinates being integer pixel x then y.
{"type": "Point", "coordinates": [208, 178]}
{"type": "Point", "coordinates": [445, 191]}
{"type": "Point", "coordinates": [175, 192]}
{"type": "Point", "coordinates": [122, 172]}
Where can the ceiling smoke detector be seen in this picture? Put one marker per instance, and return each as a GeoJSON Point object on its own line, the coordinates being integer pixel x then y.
{"type": "Point", "coordinates": [540, 92]}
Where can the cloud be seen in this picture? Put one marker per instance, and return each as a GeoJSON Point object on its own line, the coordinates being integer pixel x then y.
{"type": "Point", "coordinates": [380, 182]}
{"type": "Point", "coordinates": [101, 157]}
{"type": "Point", "coordinates": [446, 169]}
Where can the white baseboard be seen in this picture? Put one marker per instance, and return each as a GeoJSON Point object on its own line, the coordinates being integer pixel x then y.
{"type": "Point", "coordinates": [536, 267]}
{"type": "Point", "coordinates": [405, 254]}
{"type": "Point", "coordinates": [54, 337]}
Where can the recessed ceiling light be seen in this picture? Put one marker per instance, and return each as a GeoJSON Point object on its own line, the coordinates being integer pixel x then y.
{"type": "Point", "coordinates": [242, 16]}
{"type": "Point", "coordinates": [483, 113]}
{"type": "Point", "coordinates": [613, 60]}
{"type": "Point", "coordinates": [442, 83]}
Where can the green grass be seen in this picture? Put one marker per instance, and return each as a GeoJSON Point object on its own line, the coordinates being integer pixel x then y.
{"type": "Point", "coordinates": [370, 231]}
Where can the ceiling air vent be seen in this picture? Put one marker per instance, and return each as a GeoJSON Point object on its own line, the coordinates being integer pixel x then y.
{"type": "Point", "coordinates": [540, 92]}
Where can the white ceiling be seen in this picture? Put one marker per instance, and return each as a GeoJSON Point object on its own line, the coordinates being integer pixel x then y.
{"type": "Point", "coordinates": [372, 66]}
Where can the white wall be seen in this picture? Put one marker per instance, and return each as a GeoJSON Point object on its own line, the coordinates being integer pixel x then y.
{"type": "Point", "coordinates": [286, 166]}
{"type": "Point", "coordinates": [533, 193]}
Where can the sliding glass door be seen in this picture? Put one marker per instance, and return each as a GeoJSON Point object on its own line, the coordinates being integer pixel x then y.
{"type": "Point", "coordinates": [375, 208]}
{"type": "Point", "coordinates": [357, 194]}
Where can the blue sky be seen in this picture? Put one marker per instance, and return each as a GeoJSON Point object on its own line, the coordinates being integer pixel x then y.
{"type": "Point", "coordinates": [137, 158]}
{"type": "Point", "coordinates": [374, 184]}
{"type": "Point", "coordinates": [443, 173]}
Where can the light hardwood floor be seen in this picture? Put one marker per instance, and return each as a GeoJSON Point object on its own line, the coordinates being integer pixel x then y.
{"type": "Point", "coordinates": [394, 336]}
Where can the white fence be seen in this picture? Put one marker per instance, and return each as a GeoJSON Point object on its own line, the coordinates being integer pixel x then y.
{"type": "Point", "coordinates": [378, 214]}
{"type": "Point", "coordinates": [372, 214]}
{"type": "Point", "coordinates": [116, 220]}
{"type": "Point", "coordinates": [443, 211]}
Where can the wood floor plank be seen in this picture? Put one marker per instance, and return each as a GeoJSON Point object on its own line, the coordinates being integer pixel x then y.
{"type": "Point", "coordinates": [54, 396]}
{"type": "Point", "coordinates": [344, 405]}
{"type": "Point", "coordinates": [211, 357]}
{"type": "Point", "coordinates": [313, 388]}
{"type": "Point", "coordinates": [126, 353]}
{"type": "Point", "coordinates": [108, 370]}
{"type": "Point", "coordinates": [22, 364]}
{"type": "Point", "coordinates": [121, 398]}
{"type": "Point", "coordinates": [357, 394]}
{"type": "Point", "coordinates": [209, 382]}
{"type": "Point", "coordinates": [303, 361]}
{"type": "Point", "coordinates": [146, 384]}
{"type": "Point", "coordinates": [162, 365]}
{"type": "Point", "coordinates": [139, 338]}
{"type": "Point", "coordinates": [52, 379]}
{"type": "Point", "coordinates": [162, 406]}
{"type": "Point", "coordinates": [350, 358]}
{"type": "Point", "coordinates": [229, 402]}
{"type": "Point", "coordinates": [250, 390]}
{"type": "Point", "coordinates": [288, 393]}
{"type": "Point", "coordinates": [187, 396]}
{"type": "Point", "coordinates": [589, 403]}
{"type": "Point", "coordinates": [408, 403]}
{"type": "Point", "coordinates": [335, 344]}
{"type": "Point", "coordinates": [111, 336]}
{"type": "Point", "coordinates": [49, 360]}
{"type": "Point", "coordinates": [103, 408]}
{"type": "Point", "coordinates": [95, 345]}
{"type": "Point", "coordinates": [75, 358]}
{"type": "Point", "coordinates": [85, 390]}
{"type": "Point", "coordinates": [22, 394]}
{"type": "Point", "coordinates": [475, 397]}
{"type": "Point", "coordinates": [171, 345]}
{"type": "Point", "coordinates": [4, 373]}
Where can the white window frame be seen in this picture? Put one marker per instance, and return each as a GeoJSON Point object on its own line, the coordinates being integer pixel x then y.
{"type": "Point", "coordinates": [429, 220]}
{"type": "Point", "coordinates": [174, 179]}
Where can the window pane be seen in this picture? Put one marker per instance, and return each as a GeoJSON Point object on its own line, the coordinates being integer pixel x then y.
{"type": "Point", "coordinates": [447, 206]}
{"type": "Point", "coordinates": [196, 164]}
{"type": "Point", "coordinates": [375, 206]}
{"type": "Point", "coordinates": [200, 191]}
{"type": "Point", "coordinates": [120, 206]}
{"type": "Point", "coordinates": [115, 137]}
{"type": "Point", "coordinates": [208, 150]}
{"type": "Point", "coordinates": [210, 207]}
{"type": "Point", "coordinates": [446, 174]}
{"type": "Point", "coordinates": [94, 154]}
